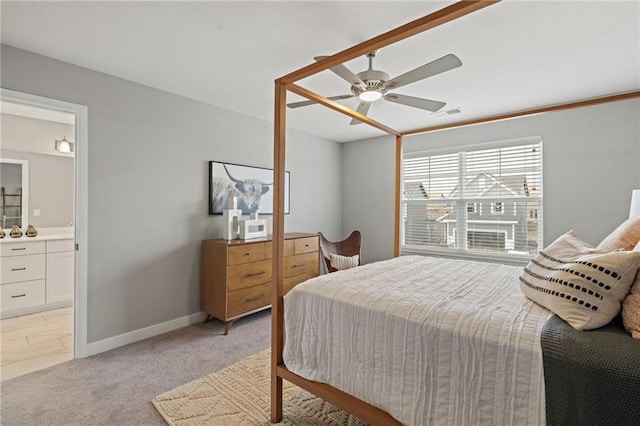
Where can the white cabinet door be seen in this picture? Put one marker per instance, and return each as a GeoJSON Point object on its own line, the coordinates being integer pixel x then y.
{"type": "Point", "coordinates": [60, 276]}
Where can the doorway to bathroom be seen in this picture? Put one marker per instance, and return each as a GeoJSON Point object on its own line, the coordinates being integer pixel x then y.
{"type": "Point", "coordinates": [39, 325]}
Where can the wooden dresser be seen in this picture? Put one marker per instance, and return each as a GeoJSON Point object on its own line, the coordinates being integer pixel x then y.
{"type": "Point", "coordinates": [236, 274]}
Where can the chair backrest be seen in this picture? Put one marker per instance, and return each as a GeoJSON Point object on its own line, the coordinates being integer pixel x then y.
{"type": "Point", "coordinates": [347, 247]}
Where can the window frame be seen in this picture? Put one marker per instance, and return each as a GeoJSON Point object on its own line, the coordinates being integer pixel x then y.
{"type": "Point", "coordinates": [515, 258]}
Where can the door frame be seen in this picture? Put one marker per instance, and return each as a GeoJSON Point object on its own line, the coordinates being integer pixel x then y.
{"type": "Point", "coordinates": [81, 211]}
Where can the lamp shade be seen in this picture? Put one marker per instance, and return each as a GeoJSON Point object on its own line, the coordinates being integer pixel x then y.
{"type": "Point", "coordinates": [63, 145]}
{"type": "Point", "coordinates": [635, 203]}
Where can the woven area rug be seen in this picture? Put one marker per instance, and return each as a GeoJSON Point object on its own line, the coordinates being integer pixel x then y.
{"type": "Point", "coordinates": [240, 395]}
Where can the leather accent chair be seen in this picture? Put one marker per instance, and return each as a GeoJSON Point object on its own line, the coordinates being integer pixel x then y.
{"type": "Point", "coordinates": [347, 247]}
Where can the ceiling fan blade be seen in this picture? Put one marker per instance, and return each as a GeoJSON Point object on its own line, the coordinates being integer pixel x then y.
{"type": "Point", "coordinates": [306, 103]}
{"type": "Point", "coordinates": [438, 66]}
{"type": "Point", "coordinates": [363, 109]}
{"type": "Point", "coordinates": [344, 72]}
{"type": "Point", "coordinates": [426, 104]}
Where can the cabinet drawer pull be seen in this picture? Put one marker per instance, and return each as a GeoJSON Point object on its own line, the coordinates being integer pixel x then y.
{"type": "Point", "coordinates": [306, 245]}
{"type": "Point", "coordinates": [298, 265]}
{"type": "Point", "coordinates": [255, 274]}
{"type": "Point", "coordinates": [247, 254]}
{"type": "Point", "coordinates": [19, 295]}
{"type": "Point", "coordinates": [16, 249]}
{"type": "Point", "coordinates": [252, 298]}
{"type": "Point", "coordinates": [18, 269]}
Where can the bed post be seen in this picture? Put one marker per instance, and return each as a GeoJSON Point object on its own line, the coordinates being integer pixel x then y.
{"type": "Point", "coordinates": [398, 203]}
{"type": "Point", "coordinates": [277, 289]}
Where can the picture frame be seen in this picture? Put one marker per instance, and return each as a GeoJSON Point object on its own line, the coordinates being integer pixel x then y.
{"type": "Point", "coordinates": [252, 187]}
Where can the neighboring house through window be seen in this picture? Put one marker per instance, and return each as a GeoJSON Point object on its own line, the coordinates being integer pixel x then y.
{"type": "Point", "coordinates": [474, 201]}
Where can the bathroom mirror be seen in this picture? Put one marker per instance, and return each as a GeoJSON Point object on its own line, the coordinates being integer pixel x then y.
{"type": "Point", "coordinates": [14, 198]}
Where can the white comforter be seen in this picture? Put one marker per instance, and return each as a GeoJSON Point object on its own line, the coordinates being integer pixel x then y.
{"type": "Point", "coordinates": [430, 341]}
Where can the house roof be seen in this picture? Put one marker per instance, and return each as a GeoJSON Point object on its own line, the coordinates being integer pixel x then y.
{"type": "Point", "coordinates": [481, 184]}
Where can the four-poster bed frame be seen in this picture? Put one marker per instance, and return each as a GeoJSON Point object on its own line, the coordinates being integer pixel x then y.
{"type": "Point", "coordinates": [279, 371]}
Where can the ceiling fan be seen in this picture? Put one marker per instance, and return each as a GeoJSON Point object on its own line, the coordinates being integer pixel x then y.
{"type": "Point", "coordinates": [371, 85]}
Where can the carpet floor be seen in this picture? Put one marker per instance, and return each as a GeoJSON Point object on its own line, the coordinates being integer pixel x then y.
{"type": "Point", "coordinates": [116, 387]}
{"type": "Point", "coordinates": [240, 395]}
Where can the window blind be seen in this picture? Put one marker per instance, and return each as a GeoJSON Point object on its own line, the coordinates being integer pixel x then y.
{"type": "Point", "coordinates": [480, 201]}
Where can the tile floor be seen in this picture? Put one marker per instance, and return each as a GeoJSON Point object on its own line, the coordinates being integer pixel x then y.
{"type": "Point", "coordinates": [35, 341]}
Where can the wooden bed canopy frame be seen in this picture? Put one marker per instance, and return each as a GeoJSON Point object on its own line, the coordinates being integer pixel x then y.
{"type": "Point", "coordinates": [279, 371]}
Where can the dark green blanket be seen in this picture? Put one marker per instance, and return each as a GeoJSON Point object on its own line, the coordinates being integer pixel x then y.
{"type": "Point", "coordinates": [591, 377]}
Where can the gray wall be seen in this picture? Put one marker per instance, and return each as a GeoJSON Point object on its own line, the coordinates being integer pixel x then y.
{"type": "Point", "coordinates": [368, 168]}
{"type": "Point", "coordinates": [51, 190]}
{"type": "Point", "coordinates": [591, 164]}
{"type": "Point", "coordinates": [148, 165]}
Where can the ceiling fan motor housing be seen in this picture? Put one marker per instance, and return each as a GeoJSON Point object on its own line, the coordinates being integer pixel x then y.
{"type": "Point", "coordinates": [373, 80]}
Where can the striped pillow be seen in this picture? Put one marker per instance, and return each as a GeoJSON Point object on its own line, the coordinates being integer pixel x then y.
{"type": "Point", "coordinates": [582, 285]}
{"type": "Point", "coordinates": [343, 262]}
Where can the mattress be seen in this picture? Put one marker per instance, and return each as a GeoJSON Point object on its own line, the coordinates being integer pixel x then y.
{"type": "Point", "coordinates": [431, 341]}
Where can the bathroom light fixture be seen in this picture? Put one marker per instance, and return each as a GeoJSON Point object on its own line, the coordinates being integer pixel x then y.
{"type": "Point", "coordinates": [63, 145]}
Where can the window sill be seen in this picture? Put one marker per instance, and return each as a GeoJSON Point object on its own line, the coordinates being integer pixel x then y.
{"type": "Point", "coordinates": [515, 260]}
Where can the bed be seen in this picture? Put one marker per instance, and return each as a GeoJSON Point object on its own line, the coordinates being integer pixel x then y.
{"type": "Point", "coordinates": [514, 345]}
{"type": "Point", "coordinates": [434, 341]}
{"type": "Point", "coordinates": [430, 341]}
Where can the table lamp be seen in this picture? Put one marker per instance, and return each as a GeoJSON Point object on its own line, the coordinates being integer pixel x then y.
{"type": "Point", "coordinates": [635, 203]}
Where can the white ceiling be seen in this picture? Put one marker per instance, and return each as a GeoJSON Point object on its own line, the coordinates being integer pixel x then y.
{"type": "Point", "coordinates": [515, 54]}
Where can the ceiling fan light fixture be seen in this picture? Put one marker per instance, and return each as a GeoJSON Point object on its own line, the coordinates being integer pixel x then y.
{"type": "Point", "coordinates": [370, 95]}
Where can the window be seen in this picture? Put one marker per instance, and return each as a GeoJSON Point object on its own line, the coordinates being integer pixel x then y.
{"type": "Point", "coordinates": [483, 201]}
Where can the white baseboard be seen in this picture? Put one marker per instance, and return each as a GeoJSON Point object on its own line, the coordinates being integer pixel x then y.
{"type": "Point", "coordinates": [104, 345]}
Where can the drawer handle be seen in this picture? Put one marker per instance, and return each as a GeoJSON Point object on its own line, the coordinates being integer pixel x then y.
{"type": "Point", "coordinates": [255, 274]}
{"type": "Point", "coordinates": [252, 298]}
{"type": "Point", "coordinates": [306, 245]}
{"type": "Point", "coordinates": [298, 265]}
{"type": "Point", "coordinates": [18, 269]}
{"type": "Point", "coordinates": [16, 249]}
{"type": "Point", "coordinates": [19, 295]}
{"type": "Point", "coordinates": [247, 254]}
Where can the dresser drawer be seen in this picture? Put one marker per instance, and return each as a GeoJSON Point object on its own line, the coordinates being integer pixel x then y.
{"type": "Point", "coordinates": [248, 299]}
{"type": "Point", "coordinates": [246, 253]}
{"type": "Point", "coordinates": [57, 246]}
{"type": "Point", "coordinates": [22, 268]}
{"type": "Point", "coordinates": [301, 264]}
{"type": "Point", "coordinates": [288, 249]}
{"type": "Point", "coordinates": [306, 245]}
{"type": "Point", "coordinates": [249, 274]}
{"type": "Point", "coordinates": [21, 295]}
{"type": "Point", "coordinates": [291, 282]}
{"type": "Point", "coordinates": [21, 248]}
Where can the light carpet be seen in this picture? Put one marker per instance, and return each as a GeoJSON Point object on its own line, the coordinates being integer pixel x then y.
{"type": "Point", "coordinates": [240, 395]}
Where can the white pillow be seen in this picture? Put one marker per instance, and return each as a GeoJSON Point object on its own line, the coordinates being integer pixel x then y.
{"type": "Point", "coordinates": [343, 262]}
{"type": "Point", "coordinates": [582, 285]}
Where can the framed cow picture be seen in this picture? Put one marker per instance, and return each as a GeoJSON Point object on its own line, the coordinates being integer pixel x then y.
{"type": "Point", "coordinates": [252, 187]}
